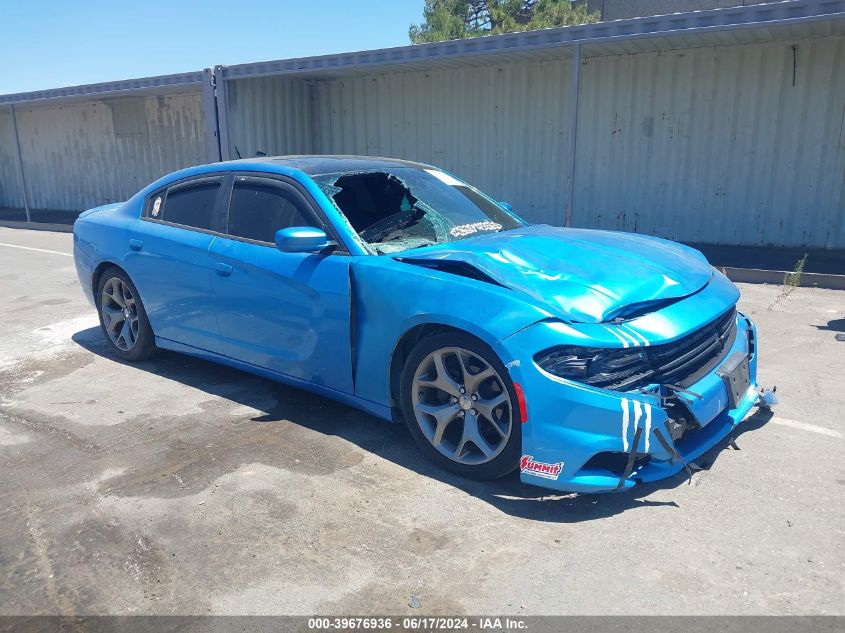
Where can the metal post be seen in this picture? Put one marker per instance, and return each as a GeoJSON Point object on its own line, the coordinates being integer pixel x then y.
{"type": "Point", "coordinates": [222, 92]}
{"type": "Point", "coordinates": [209, 113]}
{"type": "Point", "coordinates": [573, 132]}
{"type": "Point", "coordinates": [20, 164]}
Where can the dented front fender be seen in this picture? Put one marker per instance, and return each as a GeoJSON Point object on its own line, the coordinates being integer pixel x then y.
{"type": "Point", "coordinates": [391, 297]}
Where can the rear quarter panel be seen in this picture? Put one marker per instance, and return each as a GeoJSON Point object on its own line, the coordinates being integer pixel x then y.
{"type": "Point", "coordinates": [100, 236]}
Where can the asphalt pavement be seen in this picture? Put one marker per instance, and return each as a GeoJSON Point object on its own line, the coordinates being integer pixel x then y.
{"type": "Point", "coordinates": [179, 487]}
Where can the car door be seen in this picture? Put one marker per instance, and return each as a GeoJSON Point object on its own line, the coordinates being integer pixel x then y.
{"type": "Point", "coordinates": [169, 260]}
{"type": "Point", "coordinates": [287, 312]}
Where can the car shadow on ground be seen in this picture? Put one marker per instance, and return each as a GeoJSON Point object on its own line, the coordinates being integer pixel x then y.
{"type": "Point", "coordinates": [834, 325]}
{"type": "Point", "coordinates": [278, 402]}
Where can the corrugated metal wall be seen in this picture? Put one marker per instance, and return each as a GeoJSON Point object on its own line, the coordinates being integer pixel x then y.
{"type": "Point", "coordinates": [488, 124]}
{"type": "Point", "coordinates": [270, 115]}
{"type": "Point", "coordinates": [705, 145]}
{"type": "Point", "coordinates": [702, 145]}
{"type": "Point", "coordinates": [716, 145]}
{"type": "Point", "coordinates": [84, 154]}
{"type": "Point", "coordinates": [10, 189]}
{"type": "Point", "coordinates": [503, 128]}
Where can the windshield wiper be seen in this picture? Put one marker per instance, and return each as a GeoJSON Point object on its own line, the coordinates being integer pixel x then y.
{"type": "Point", "coordinates": [396, 246]}
{"type": "Point", "coordinates": [391, 224]}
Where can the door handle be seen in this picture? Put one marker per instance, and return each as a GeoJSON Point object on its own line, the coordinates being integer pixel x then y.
{"type": "Point", "coordinates": [135, 245]}
{"type": "Point", "coordinates": [224, 270]}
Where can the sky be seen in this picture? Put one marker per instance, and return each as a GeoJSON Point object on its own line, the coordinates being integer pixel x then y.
{"type": "Point", "coordinates": [55, 43]}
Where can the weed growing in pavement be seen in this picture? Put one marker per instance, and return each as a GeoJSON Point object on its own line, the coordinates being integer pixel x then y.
{"type": "Point", "coordinates": [793, 280]}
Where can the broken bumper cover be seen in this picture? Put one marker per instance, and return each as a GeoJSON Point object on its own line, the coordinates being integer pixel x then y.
{"type": "Point", "coordinates": [583, 439]}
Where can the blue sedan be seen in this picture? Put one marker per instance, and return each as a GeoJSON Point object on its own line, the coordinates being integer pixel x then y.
{"type": "Point", "coordinates": [589, 360]}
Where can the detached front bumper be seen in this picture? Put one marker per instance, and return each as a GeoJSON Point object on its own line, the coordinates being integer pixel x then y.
{"type": "Point", "coordinates": [581, 439]}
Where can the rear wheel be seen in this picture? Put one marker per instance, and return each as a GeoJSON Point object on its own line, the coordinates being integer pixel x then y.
{"type": "Point", "coordinates": [459, 405]}
{"type": "Point", "coordinates": [122, 316]}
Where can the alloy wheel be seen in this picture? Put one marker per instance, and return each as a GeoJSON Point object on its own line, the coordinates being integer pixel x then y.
{"type": "Point", "coordinates": [462, 406]}
{"type": "Point", "coordinates": [120, 314]}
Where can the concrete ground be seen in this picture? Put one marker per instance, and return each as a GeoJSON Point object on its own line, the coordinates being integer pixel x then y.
{"type": "Point", "coordinates": [177, 486]}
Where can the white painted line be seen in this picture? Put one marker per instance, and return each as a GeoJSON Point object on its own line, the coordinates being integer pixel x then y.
{"type": "Point", "coordinates": [625, 424]}
{"type": "Point", "coordinates": [637, 334]}
{"type": "Point", "coordinates": [638, 412]}
{"type": "Point", "coordinates": [32, 248]}
{"type": "Point", "coordinates": [647, 425]}
{"type": "Point", "coordinates": [635, 342]}
{"type": "Point", "coordinates": [624, 341]}
{"type": "Point", "coordinates": [804, 426]}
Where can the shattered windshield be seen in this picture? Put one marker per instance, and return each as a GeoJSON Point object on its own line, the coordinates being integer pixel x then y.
{"type": "Point", "coordinates": [408, 207]}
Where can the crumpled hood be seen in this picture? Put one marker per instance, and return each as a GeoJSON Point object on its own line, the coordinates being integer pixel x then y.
{"type": "Point", "coordinates": [581, 275]}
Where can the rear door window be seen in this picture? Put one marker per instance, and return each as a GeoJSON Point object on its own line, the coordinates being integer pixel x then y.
{"type": "Point", "coordinates": [261, 206]}
{"type": "Point", "coordinates": [190, 204]}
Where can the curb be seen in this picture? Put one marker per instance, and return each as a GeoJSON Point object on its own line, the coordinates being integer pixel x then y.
{"type": "Point", "coordinates": [37, 226]}
{"type": "Point", "coordinates": [808, 280]}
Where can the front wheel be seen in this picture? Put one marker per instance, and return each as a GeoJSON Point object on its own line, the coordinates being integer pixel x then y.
{"type": "Point", "coordinates": [459, 405]}
{"type": "Point", "coordinates": [123, 319]}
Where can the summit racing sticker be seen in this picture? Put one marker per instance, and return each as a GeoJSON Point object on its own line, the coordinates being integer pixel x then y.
{"type": "Point", "coordinates": [540, 469]}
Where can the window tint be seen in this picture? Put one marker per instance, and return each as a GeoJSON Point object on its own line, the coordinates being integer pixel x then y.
{"type": "Point", "coordinates": [190, 205]}
{"type": "Point", "coordinates": [258, 210]}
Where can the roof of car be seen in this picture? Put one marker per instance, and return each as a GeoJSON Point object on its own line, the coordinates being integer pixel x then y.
{"type": "Point", "coordinates": [315, 165]}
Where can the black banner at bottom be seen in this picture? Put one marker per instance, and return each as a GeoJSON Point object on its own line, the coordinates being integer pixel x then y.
{"type": "Point", "coordinates": [434, 624]}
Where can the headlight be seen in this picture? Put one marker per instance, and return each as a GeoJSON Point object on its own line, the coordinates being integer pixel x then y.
{"type": "Point", "coordinates": [606, 368]}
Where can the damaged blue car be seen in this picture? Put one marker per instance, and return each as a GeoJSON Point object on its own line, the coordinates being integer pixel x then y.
{"type": "Point", "coordinates": [589, 360]}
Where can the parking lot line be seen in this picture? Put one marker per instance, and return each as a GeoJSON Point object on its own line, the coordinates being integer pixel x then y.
{"type": "Point", "coordinates": [804, 426]}
{"type": "Point", "coordinates": [40, 250]}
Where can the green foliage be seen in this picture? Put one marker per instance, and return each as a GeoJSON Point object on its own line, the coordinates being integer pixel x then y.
{"type": "Point", "coordinates": [793, 279]}
{"type": "Point", "coordinates": [458, 19]}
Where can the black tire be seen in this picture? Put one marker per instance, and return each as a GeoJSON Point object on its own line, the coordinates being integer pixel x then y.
{"type": "Point", "coordinates": [507, 459]}
{"type": "Point", "coordinates": [143, 341]}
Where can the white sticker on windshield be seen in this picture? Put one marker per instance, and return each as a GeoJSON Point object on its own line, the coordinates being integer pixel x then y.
{"type": "Point", "coordinates": [156, 207]}
{"type": "Point", "coordinates": [445, 178]}
{"type": "Point", "coordinates": [468, 229]}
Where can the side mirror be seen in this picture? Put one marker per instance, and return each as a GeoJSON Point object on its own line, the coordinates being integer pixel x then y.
{"type": "Point", "coordinates": [301, 239]}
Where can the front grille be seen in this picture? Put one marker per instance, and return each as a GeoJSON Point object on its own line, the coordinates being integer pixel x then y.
{"type": "Point", "coordinates": [687, 360]}
{"type": "Point", "coordinates": [683, 362]}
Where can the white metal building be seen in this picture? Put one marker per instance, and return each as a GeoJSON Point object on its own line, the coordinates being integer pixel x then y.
{"type": "Point", "coordinates": [723, 126]}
